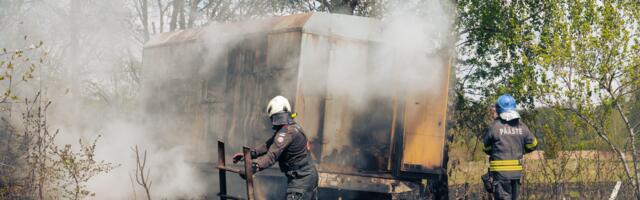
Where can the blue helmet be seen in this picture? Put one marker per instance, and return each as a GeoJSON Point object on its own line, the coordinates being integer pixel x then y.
{"type": "Point", "coordinates": [505, 103]}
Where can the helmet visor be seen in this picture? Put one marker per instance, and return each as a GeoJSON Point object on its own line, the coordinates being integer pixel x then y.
{"type": "Point", "coordinates": [509, 115]}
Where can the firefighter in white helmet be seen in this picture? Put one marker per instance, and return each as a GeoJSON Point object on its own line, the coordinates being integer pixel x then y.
{"type": "Point", "coordinates": [290, 148]}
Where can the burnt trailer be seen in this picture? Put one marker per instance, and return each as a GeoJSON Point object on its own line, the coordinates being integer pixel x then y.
{"type": "Point", "coordinates": [369, 132]}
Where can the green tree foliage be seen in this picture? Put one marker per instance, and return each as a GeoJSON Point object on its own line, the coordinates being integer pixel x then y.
{"type": "Point", "coordinates": [495, 47]}
{"type": "Point", "coordinates": [494, 53]}
{"type": "Point", "coordinates": [31, 163]}
{"type": "Point", "coordinates": [33, 166]}
{"type": "Point", "coordinates": [581, 58]}
{"type": "Point", "coordinates": [589, 55]}
{"type": "Point", "coordinates": [75, 169]}
{"type": "Point", "coordinates": [18, 65]}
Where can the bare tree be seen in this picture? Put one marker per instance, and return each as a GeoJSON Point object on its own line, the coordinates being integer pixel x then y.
{"type": "Point", "coordinates": [142, 8]}
{"type": "Point", "coordinates": [39, 145]}
{"type": "Point", "coordinates": [193, 12]}
{"type": "Point", "coordinates": [142, 172]}
{"type": "Point", "coordinates": [176, 9]}
{"type": "Point", "coordinates": [161, 11]}
{"type": "Point", "coordinates": [341, 6]}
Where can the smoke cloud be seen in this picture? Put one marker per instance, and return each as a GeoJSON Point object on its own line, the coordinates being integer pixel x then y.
{"type": "Point", "coordinates": [91, 75]}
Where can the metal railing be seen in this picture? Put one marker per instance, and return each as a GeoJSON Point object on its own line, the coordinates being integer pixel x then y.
{"type": "Point", "coordinates": [223, 169]}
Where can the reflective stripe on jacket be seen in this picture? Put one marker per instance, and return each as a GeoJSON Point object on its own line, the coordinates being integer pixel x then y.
{"type": "Point", "coordinates": [506, 143]}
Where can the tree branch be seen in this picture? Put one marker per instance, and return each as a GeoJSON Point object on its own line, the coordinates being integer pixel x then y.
{"type": "Point", "coordinates": [604, 137]}
{"type": "Point", "coordinates": [142, 178]}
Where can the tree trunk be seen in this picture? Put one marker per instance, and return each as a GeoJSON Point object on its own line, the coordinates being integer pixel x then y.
{"type": "Point", "coordinates": [603, 135]}
{"type": "Point", "coordinates": [144, 9]}
{"type": "Point", "coordinates": [181, 21]}
{"type": "Point", "coordinates": [634, 149]}
{"type": "Point", "coordinates": [161, 10]}
{"type": "Point", "coordinates": [193, 12]}
{"type": "Point", "coordinates": [177, 7]}
{"type": "Point", "coordinates": [346, 7]}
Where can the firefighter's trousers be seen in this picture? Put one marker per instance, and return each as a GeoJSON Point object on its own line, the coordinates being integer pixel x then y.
{"type": "Point", "coordinates": [302, 184]}
{"type": "Point", "coordinates": [505, 189]}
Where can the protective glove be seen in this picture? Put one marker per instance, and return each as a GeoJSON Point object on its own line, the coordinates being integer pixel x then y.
{"type": "Point", "coordinates": [243, 173]}
{"type": "Point", "coordinates": [237, 157]}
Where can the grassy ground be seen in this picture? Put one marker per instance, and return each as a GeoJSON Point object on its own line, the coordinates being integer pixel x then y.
{"type": "Point", "coordinates": [546, 171]}
{"type": "Point", "coordinates": [568, 177]}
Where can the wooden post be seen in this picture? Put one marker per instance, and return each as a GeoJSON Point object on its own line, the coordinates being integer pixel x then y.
{"type": "Point", "coordinates": [221, 172]}
{"type": "Point", "coordinates": [249, 171]}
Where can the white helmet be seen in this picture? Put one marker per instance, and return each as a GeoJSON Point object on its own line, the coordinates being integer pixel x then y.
{"type": "Point", "coordinates": [278, 104]}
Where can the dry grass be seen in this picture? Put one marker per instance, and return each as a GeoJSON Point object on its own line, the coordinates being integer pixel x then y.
{"type": "Point", "coordinates": [579, 166]}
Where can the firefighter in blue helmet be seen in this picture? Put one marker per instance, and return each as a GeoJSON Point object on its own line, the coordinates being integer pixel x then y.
{"type": "Point", "coordinates": [506, 140]}
{"type": "Point", "coordinates": [289, 147]}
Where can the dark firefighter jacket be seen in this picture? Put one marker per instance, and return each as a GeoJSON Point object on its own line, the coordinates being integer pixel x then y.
{"type": "Point", "coordinates": [506, 143]}
{"type": "Point", "coordinates": [288, 146]}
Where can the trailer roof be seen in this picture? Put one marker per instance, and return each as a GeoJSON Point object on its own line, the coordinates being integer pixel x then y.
{"type": "Point", "coordinates": [325, 24]}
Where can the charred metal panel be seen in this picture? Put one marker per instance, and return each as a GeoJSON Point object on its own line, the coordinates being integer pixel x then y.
{"type": "Point", "coordinates": [367, 183]}
{"type": "Point", "coordinates": [257, 68]}
{"type": "Point", "coordinates": [343, 26]}
{"type": "Point", "coordinates": [246, 70]}
{"type": "Point", "coordinates": [283, 58]}
{"type": "Point", "coordinates": [350, 132]}
{"type": "Point", "coordinates": [310, 97]}
{"type": "Point", "coordinates": [425, 121]}
{"type": "Point", "coordinates": [343, 101]}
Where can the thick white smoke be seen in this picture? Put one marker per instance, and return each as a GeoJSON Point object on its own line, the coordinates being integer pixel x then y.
{"type": "Point", "coordinates": [420, 34]}
{"type": "Point", "coordinates": [91, 77]}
